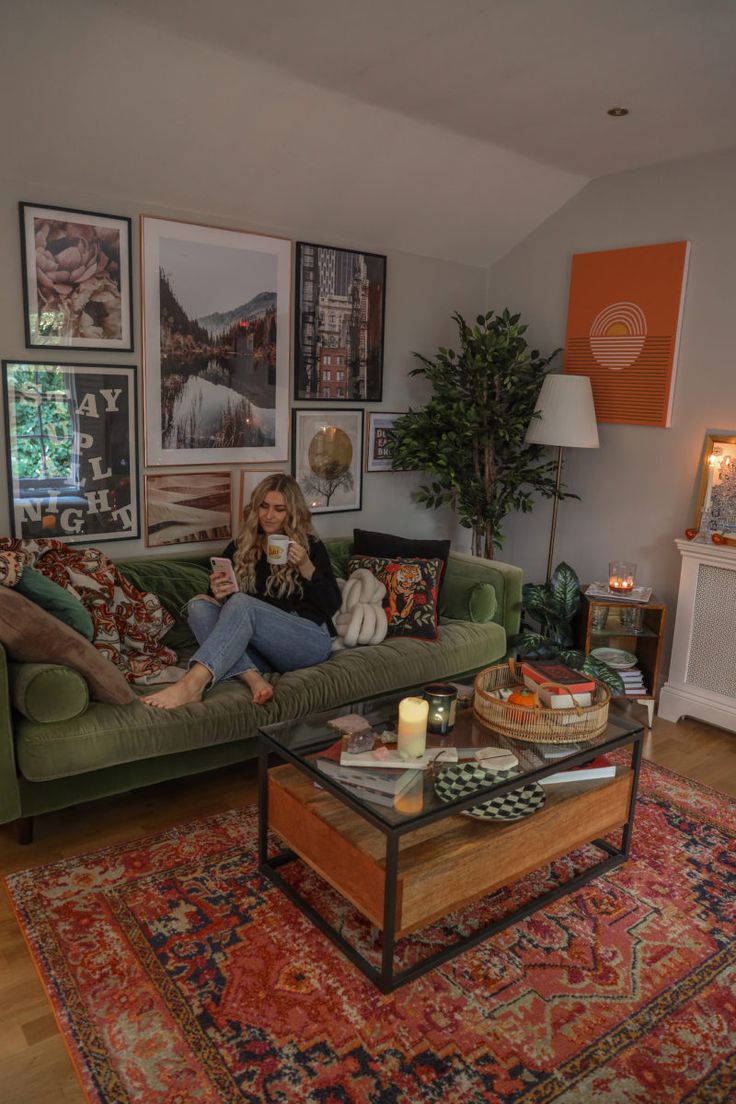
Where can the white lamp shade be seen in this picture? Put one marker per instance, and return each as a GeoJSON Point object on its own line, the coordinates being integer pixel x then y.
{"type": "Point", "coordinates": [567, 412]}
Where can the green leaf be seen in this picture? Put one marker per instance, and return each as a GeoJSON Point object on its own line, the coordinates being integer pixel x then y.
{"type": "Point", "coordinates": [565, 588]}
{"type": "Point", "coordinates": [601, 671]}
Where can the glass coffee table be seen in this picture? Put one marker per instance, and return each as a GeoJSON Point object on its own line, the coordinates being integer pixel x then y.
{"type": "Point", "coordinates": [407, 865]}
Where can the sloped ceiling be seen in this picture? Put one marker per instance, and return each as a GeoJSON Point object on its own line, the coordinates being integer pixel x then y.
{"type": "Point", "coordinates": [449, 128]}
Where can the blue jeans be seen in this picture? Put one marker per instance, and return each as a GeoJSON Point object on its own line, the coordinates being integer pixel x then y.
{"type": "Point", "coordinates": [245, 633]}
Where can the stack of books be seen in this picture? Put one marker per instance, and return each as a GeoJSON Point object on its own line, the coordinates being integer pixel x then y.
{"type": "Point", "coordinates": [365, 777]}
{"type": "Point", "coordinates": [571, 687]}
{"type": "Point", "coordinates": [633, 681]}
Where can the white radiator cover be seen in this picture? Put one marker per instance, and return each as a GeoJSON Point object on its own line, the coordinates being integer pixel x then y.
{"type": "Point", "coordinates": [702, 677]}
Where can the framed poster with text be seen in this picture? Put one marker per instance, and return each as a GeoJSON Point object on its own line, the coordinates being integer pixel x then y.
{"type": "Point", "coordinates": [72, 450]}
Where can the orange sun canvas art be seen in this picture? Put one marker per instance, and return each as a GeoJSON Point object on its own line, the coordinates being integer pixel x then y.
{"type": "Point", "coordinates": [623, 329]}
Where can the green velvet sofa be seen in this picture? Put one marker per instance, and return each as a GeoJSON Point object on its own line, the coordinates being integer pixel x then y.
{"type": "Point", "coordinates": [48, 763]}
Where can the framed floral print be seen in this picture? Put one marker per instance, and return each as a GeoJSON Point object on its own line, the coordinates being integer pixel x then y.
{"type": "Point", "coordinates": [77, 287]}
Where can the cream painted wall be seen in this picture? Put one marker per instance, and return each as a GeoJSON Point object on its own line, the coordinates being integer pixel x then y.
{"type": "Point", "coordinates": [421, 294]}
{"type": "Point", "coordinates": [638, 491]}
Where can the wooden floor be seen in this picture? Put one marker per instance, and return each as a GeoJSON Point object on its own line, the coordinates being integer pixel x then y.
{"type": "Point", "coordinates": [34, 1066]}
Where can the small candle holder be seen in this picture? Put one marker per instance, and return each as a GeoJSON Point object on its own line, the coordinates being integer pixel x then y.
{"type": "Point", "coordinates": [621, 576]}
{"type": "Point", "coordinates": [442, 700]}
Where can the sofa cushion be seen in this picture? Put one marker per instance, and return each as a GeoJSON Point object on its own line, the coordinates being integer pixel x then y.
{"type": "Point", "coordinates": [482, 602]}
{"type": "Point", "coordinates": [412, 587]}
{"type": "Point", "coordinates": [109, 735]}
{"type": "Point", "coordinates": [56, 600]}
{"type": "Point", "coordinates": [46, 692]}
{"type": "Point", "coordinates": [368, 543]}
{"type": "Point", "coordinates": [174, 582]}
{"type": "Point", "coordinates": [34, 636]}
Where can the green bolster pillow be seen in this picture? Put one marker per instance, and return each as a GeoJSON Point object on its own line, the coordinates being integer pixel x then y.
{"type": "Point", "coordinates": [57, 601]}
{"type": "Point", "coordinates": [482, 603]}
{"type": "Point", "coordinates": [46, 692]}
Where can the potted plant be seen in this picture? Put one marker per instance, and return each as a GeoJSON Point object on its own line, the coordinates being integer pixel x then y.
{"type": "Point", "coordinates": [470, 435]}
{"type": "Point", "coordinates": [551, 607]}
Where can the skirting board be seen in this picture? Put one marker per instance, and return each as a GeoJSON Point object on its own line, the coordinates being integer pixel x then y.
{"type": "Point", "coordinates": [677, 700]}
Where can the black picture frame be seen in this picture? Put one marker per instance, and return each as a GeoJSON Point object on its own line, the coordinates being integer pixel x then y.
{"type": "Point", "coordinates": [339, 324]}
{"type": "Point", "coordinates": [77, 279]}
{"type": "Point", "coordinates": [327, 458]}
{"type": "Point", "coordinates": [82, 450]}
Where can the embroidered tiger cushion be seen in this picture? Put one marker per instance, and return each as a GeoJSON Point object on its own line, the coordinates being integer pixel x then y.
{"type": "Point", "coordinates": [412, 586]}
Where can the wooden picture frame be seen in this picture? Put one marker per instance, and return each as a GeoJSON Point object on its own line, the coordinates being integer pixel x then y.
{"type": "Point", "coordinates": [185, 507]}
{"type": "Point", "coordinates": [327, 459]}
{"type": "Point", "coordinates": [339, 324]}
{"type": "Point", "coordinates": [249, 480]}
{"type": "Point", "coordinates": [216, 314]}
{"type": "Point", "coordinates": [72, 450]}
{"type": "Point", "coordinates": [77, 281]}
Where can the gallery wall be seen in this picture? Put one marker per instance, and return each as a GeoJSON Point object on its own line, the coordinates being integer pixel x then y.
{"type": "Point", "coordinates": [421, 294]}
{"type": "Point", "coordinates": [638, 490]}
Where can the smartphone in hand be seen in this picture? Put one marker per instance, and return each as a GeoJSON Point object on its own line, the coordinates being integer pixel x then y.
{"type": "Point", "coordinates": [224, 566]}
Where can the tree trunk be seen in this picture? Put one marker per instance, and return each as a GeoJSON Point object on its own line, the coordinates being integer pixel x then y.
{"type": "Point", "coordinates": [482, 542]}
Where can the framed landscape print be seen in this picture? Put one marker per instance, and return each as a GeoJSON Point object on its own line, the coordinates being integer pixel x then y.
{"type": "Point", "coordinates": [72, 450]}
{"type": "Point", "coordinates": [188, 507]}
{"type": "Point", "coordinates": [249, 480]}
{"type": "Point", "coordinates": [377, 451]}
{"type": "Point", "coordinates": [77, 288]}
{"type": "Point", "coordinates": [339, 324]}
{"type": "Point", "coordinates": [326, 459]}
{"type": "Point", "coordinates": [215, 344]}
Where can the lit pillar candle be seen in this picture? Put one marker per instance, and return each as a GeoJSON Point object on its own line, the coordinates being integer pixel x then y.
{"type": "Point", "coordinates": [413, 713]}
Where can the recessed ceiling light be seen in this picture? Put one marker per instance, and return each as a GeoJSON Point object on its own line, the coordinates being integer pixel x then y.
{"type": "Point", "coordinates": [617, 112]}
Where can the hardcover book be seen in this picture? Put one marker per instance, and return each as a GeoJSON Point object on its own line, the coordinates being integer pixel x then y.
{"type": "Point", "coordinates": [540, 671]}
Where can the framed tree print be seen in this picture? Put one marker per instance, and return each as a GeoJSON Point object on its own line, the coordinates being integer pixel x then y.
{"type": "Point", "coordinates": [72, 450]}
{"type": "Point", "coordinates": [215, 344]}
{"type": "Point", "coordinates": [77, 288]}
{"type": "Point", "coordinates": [188, 507]}
{"type": "Point", "coordinates": [339, 324]}
{"type": "Point", "coordinates": [326, 459]}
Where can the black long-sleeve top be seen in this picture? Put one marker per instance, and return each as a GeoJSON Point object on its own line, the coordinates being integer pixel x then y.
{"type": "Point", "coordinates": [321, 595]}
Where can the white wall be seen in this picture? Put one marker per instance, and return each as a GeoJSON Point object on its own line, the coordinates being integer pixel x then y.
{"type": "Point", "coordinates": [421, 295]}
{"type": "Point", "coordinates": [639, 489]}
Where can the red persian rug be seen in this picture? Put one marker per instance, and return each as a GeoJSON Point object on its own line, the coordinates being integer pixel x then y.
{"type": "Point", "coordinates": [178, 976]}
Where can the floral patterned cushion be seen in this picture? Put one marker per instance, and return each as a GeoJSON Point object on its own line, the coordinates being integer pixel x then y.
{"type": "Point", "coordinates": [412, 586]}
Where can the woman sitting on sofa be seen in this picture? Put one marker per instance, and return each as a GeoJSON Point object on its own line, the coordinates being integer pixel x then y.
{"type": "Point", "coordinates": [275, 617]}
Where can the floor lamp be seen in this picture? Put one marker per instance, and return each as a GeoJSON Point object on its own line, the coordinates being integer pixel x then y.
{"type": "Point", "coordinates": [566, 420]}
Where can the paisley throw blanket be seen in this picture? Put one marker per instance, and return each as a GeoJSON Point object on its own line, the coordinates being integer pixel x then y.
{"type": "Point", "coordinates": [128, 624]}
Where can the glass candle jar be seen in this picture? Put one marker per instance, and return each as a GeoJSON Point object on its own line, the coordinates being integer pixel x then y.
{"type": "Point", "coordinates": [621, 576]}
{"type": "Point", "coordinates": [442, 700]}
{"type": "Point", "coordinates": [412, 730]}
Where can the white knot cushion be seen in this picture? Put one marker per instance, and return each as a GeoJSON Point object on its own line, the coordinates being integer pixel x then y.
{"type": "Point", "coordinates": [361, 618]}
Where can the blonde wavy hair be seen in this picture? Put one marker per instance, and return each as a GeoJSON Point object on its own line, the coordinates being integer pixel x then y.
{"type": "Point", "coordinates": [283, 580]}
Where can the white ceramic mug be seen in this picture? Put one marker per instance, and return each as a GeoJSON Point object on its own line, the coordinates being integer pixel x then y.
{"type": "Point", "coordinates": [277, 549]}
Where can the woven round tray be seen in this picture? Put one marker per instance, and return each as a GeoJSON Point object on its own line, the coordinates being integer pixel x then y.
{"type": "Point", "coordinates": [542, 725]}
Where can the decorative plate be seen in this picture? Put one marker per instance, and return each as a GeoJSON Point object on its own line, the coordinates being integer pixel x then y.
{"type": "Point", "coordinates": [465, 778]}
{"type": "Point", "coordinates": [614, 657]}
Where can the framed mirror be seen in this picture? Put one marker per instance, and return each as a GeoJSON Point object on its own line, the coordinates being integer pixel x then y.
{"type": "Point", "coordinates": [716, 506]}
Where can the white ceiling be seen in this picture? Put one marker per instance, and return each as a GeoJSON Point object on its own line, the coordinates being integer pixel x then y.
{"type": "Point", "coordinates": [443, 127]}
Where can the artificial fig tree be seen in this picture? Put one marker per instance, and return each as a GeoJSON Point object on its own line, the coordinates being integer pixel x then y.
{"type": "Point", "coordinates": [470, 435]}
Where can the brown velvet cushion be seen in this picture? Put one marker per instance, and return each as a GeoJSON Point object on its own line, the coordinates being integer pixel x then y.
{"type": "Point", "coordinates": [32, 635]}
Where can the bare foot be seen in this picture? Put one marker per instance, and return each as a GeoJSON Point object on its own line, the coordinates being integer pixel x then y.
{"type": "Point", "coordinates": [261, 690]}
{"type": "Point", "coordinates": [189, 689]}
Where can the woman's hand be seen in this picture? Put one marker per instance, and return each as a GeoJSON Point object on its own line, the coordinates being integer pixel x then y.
{"type": "Point", "coordinates": [221, 586]}
{"type": "Point", "coordinates": [299, 558]}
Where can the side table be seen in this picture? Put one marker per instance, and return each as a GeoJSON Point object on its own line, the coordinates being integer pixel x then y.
{"type": "Point", "coordinates": [645, 642]}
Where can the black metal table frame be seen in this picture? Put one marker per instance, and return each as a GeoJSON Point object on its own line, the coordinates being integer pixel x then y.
{"type": "Point", "coordinates": [387, 979]}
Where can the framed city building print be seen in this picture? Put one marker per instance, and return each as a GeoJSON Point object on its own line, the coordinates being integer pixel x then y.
{"type": "Point", "coordinates": [72, 450]}
{"type": "Point", "coordinates": [77, 289]}
{"type": "Point", "coordinates": [215, 344]}
{"type": "Point", "coordinates": [326, 459]}
{"type": "Point", "coordinates": [185, 507]}
{"type": "Point", "coordinates": [339, 324]}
